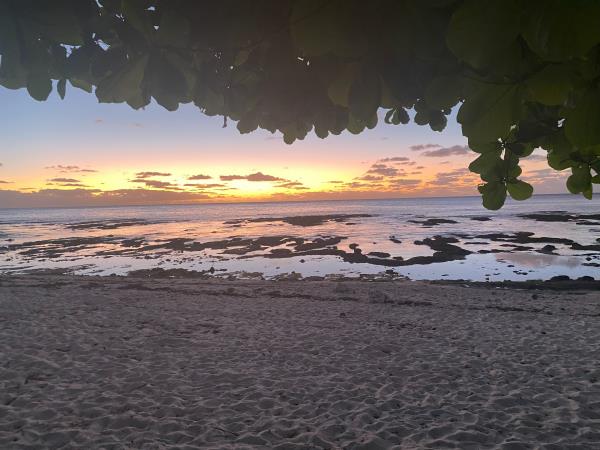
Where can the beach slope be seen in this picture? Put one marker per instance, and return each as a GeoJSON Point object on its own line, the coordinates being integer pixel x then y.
{"type": "Point", "coordinates": [133, 363]}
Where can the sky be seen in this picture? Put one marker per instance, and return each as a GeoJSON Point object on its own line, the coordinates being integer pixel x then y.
{"type": "Point", "coordinates": [77, 152]}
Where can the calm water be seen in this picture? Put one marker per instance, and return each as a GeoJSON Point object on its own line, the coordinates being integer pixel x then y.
{"type": "Point", "coordinates": [119, 240]}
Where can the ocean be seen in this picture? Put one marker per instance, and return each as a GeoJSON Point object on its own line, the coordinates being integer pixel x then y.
{"type": "Point", "coordinates": [417, 238]}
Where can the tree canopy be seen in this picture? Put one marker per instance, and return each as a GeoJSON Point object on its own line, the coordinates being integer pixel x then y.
{"type": "Point", "coordinates": [524, 74]}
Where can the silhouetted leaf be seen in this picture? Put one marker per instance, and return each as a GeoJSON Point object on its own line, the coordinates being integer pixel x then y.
{"type": "Point", "coordinates": [39, 85]}
{"type": "Point", "coordinates": [551, 85]}
{"type": "Point", "coordinates": [580, 181]}
{"type": "Point", "coordinates": [581, 122]}
{"type": "Point", "coordinates": [493, 195]}
{"type": "Point", "coordinates": [479, 30]}
{"type": "Point", "coordinates": [61, 87]}
{"type": "Point", "coordinates": [562, 29]}
{"type": "Point", "coordinates": [519, 190]}
{"type": "Point", "coordinates": [489, 112]}
{"type": "Point", "coordinates": [526, 72]}
{"type": "Point", "coordinates": [444, 92]}
{"type": "Point", "coordinates": [313, 26]}
{"type": "Point", "coordinates": [365, 94]}
{"type": "Point", "coordinates": [123, 84]}
{"type": "Point", "coordinates": [339, 90]}
{"type": "Point", "coordinates": [84, 85]}
{"type": "Point", "coordinates": [173, 29]}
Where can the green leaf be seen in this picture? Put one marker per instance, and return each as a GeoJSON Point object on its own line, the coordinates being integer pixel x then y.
{"type": "Point", "coordinates": [581, 122]}
{"type": "Point", "coordinates": [365, 93]}
{"type": "Point", "coordinates": [169, 84]}
{"type": "Point", "coordinates": [339, 90]}
{"type": "Point", "coordinates": [388, 116]}
{"type": "Point", "coordinates": [400, 117]}
{"type": "Point", "coordinates": [580, 180]}
{"type": "Point", "coordinates": [314, 26]}
{"type": "Point", "coordinates": [486, 163]}
{"type": "Point", "coordinates": [173, 29]}
{"type": "Point", "coordinates": [493, 195]}
{"type": "Point", "coordinates": [388, 100]}
{"type": "Point", "coordinates": [489, 111]}
{"type": "Point", "coordinates": [520, 190]}
{"type": "Point", "coordinates": [355, 125]}
{"type": "Point", "coordinates": [519, 149]}
{"type": "Point", "coordinates": [123, 84]}
{"type": "Point", "coordinates": [558, 161]}
{"type": "Point", "coordinates": [39, 85]}
{"type": "Point", "coordinates": [480, 30]}
{"type": "Point", "coordinates": [248, 123]}
{"type": "Point", "coordinates": [139, 100]}
{"type": "Point", "coordinates": [138, 16]}
{"type": "Point", "coordinates": [437, 121]}
{"type": "Point", "coordinates": [485, 147]}
{"type": "Point", "coordinates": [321, 132]}
{"type": "Point", "coordinates": [58, 23]}
{"type": "Point", "coordinates": [81, 84]}
{"type": "Point", "coordinates": [61, 87]}
{"type": "Point", "coordinates": [559, 30]}
{"type": "Point", "coordinates": [551, 85]}
{"type": "Point", "coordinates": [444, 92]}
{"type": "Point", "coordinates": [12, 74]}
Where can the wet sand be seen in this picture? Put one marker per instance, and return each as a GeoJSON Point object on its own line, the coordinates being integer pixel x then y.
{"type": "Point", "coordinates": [119, 362]}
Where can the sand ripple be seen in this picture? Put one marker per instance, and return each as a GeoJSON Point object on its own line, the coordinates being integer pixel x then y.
{"type": "Point", "coordinates": [120, 363]}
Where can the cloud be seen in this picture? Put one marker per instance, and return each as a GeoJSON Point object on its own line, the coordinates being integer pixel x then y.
{"type": "Point", "coordinates": [383, 169]}
{"type": "Point", "coordinates": [64, 180]}
{"type": "Point", "coordinates": [199, 177]}
{"type": "Point", "coordinates": [537, 157]}
{"type": "Point", "coordinates": [448, 151]}
{"type": "Point", "coordinates": [66, 169]}
{"type": "Point", "coordinates": [405, 182]}
{"type": "Point", "coordinates": [204, 186]}
{"type": "Point", "coordinates": [456, 178]}
{"type": "Point", "coordinates": [395, 159]}
{"type": "Point", "coordinates": [151, 174]}
{"type": "Point", "coordinates": [232, 177]}
{"type": "Point", "coordinates": [5, 182]}
{"type": "Point", "coordinates": [370, 178]}
{"type": "Point", "coordinates": [258, 176]}
{"type": "Point", "coordinates": [74, 185]}
{"type": "Point", "coordinates": [157, 184]}
{"type": "Point", "coordinates": [292, 185]}
{"type": "Point", "coordinates": [95, 197]}
{"type": "Point", "coordinates": [420, 147]}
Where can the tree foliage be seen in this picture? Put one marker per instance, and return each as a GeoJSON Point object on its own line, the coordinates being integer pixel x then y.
{"type": "Point", "coordinates": [524, 74]}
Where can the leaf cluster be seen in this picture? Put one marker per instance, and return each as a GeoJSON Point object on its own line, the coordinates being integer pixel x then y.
{"type": "Point", "coordinates": [524, 74]}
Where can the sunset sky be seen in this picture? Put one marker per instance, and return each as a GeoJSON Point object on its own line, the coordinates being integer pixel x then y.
{"type": "Point", "coordinates": [77, 152]}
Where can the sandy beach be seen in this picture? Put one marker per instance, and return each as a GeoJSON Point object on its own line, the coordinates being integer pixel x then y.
{"type": "Point", "coordinates": [126, 363]}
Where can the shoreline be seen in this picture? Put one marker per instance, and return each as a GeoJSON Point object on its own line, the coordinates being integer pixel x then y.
{"type": "Point", "coordinates": [125, 362]}
{"type": "Point", "coordinates": [557, 283]}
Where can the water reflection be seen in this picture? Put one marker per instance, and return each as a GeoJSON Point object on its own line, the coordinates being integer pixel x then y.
{"type": "Point", "coordinates": [536, 260]}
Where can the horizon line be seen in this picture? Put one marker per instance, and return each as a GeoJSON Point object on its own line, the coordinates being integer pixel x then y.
{"type": "Point", "coordinates": [260, 202]}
